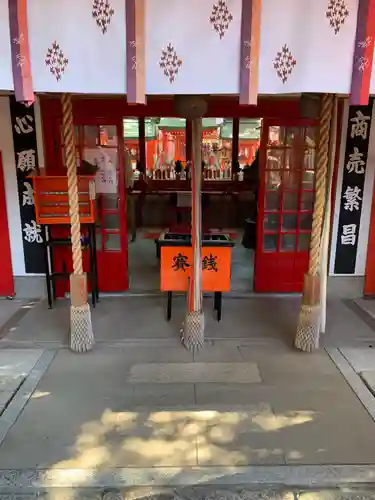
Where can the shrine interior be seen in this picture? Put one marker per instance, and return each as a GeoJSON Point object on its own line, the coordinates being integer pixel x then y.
{"type": "Point", "coordinates": [229, 204]}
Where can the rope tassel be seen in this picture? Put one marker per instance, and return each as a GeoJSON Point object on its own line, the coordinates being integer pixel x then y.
{"type": "Point", "coordinates": [308, 327]}
{"type": "Point", "coordinates": [81, 332]}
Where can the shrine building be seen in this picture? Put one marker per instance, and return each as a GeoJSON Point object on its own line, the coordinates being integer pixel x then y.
{"type": "Point", "coordinates": [258, 147]}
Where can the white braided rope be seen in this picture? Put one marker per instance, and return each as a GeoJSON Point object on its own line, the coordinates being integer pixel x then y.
{"type": "Point", "coordinates": [71, 166]}
{"type": "Point", "coordinates": [81, 332]}
{"type": "Point", "coordinates": [308, 326]}
{"type": "Point", "coordinates": [197, 223]}
{"type": "Point", "coordinates": [193, 336]}
{"type": "Point", "coordinates": [193, 331]}
{"type": "Point", "coordinates": [322, 158]}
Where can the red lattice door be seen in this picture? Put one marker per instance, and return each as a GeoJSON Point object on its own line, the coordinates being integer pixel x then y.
{"type": "Point", "coordinates": [101, 146]}
{"type": "Point", "coordinates": [285, 205]}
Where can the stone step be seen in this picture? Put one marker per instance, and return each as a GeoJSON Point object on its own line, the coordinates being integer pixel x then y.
{"type": "Point", "coordinates": [244, 492]}
{"type": "Point", "coordinates": [310, 482]}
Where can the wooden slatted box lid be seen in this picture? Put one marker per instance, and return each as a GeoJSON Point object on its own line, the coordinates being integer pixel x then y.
{"type": "Point", "coordinates": [52, 202]}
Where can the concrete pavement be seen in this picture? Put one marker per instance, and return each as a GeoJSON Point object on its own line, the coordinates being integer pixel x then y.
{"type": "Point", "coordinates": [91, 411]}
{"type": "Point", "coordinates": [142, 411]}
{"type": "Point", "coordinates": [119, 320]}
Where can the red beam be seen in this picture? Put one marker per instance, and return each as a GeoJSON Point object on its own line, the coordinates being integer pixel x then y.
{"type": "Point", "coordinates": [19, 35]}
{"type": "Point", "coordinates": [363, 53]}
{"type": "Point", "coordinates": [250, 49]}
{"type": "Point", "coordinates": [135, 51]}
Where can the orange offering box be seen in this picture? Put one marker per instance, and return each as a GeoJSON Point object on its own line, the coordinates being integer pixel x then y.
{"type": "Point", "coordinates": [176, 256]}
{"type": "Point", "coordinates": [52, 201]}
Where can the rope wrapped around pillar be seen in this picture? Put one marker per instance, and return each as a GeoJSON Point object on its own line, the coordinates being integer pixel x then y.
{"type": "Point", "coordinates": [81, 332]}
{"type": "Point", "coordinates": [308, 327]}
{"type": "Point", "coordinates": [193, 332]}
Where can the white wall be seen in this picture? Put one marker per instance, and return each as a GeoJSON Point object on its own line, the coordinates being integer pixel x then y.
{"type": "Point", "coordinates": [39, 132]}
{"type": "Point", "coordinates": [14, 221]}
{"type": "Point", "coordinates": [96, 60]}
{"type": "Point", "coordinates": [360, 265]}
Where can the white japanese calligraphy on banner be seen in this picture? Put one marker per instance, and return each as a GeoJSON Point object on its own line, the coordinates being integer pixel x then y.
{"type": "Point", "coordinates": [33, 232]}
{"type": "Point", "coordinates": [352, 198]}
{"type": "Point", "coordinates": [359, 125]}
{"type": "Point", "coordinates": [353, 192]}
{"type": "Point", "coordinates": [24, 124]}
{"type": "Point", "coordinates": [105, 159]}
{"type": "Point", "coordinates": [355, 163]}
{"type": "Point", "coordinates": [348, 236]}
{"type": "Point", "coordinates": [26, 160]}
{"type": "Point", "coordinates": [28, 195]}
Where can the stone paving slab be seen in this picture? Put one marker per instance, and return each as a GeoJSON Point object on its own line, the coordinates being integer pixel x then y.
{"type": "Point", "coordinates": [10, 383]}
{"type": "Point", "coordinates": [5, 396]}
{"type": "Point", "coordinates": [292, 397]}
{"type": "Point", "coordinates": [346, 326]}
{"type": "Point", "coordinates": [238, 373]}
{"type": "Point", "coordinates": [157, 354]}
{"type": "Point", "coordinates": [145, 320]}
{"type": "Point", "coordinates": [293, 368]}
{"type": "Point", "coordinates": [195, 493]}
{"type": "Point", "coordinates": [11, 311]}
{"type": "Point", "coordinates": [147, 438]}
{"type": "Point", "coordinates": [159, 395]}
{"type": "Point", "coordinates": [88, 411]}
{"type": "Point", "coordinates": [158, 493]}
{"type": "Point", "coordinates": [41, 324]}
{"type": "Point", "coordinates": [362, 362]}
{"type": "Point", "coordinates": [361, 358]}
{"type": "Point", "coordinates": [15, 365]}
{"type": "Point", "coordinates": [209, 492]}
{"type": "Point", "coordinates": [325, 439]}
{"type": "Point", "coordinates": [18, 362]}
{"type": "Point", "coordinates": [290, 361]}
{"type": "Point", "coordinates": [344, 481]}
{"type": "Point", "coordinates": [369, 380]}
{"type": "Point", "coordinates": [235, 438]}
{"type": "Point", "coordinates": [216, 352]}
{"type": "Point", "coordinates": [367, 305]}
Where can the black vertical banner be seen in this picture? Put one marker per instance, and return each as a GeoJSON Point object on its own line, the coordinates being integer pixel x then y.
{"type": "Point", "coordinates": [26, 159]}
{"type": "Point", "coordinates": [353, 181]}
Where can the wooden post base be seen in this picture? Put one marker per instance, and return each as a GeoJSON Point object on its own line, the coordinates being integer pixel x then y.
{"type": "Point", "coordinates": [311, 290]}
{"type": "Point", "coordinates": [78, 289]}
